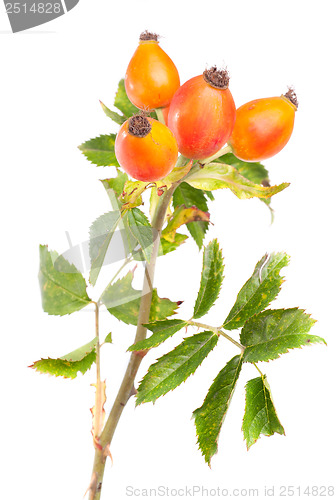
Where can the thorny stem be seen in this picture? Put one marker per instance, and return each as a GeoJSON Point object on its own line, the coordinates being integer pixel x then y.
{"type": "Point", "coordinates": [98, 344]}
{"type": "Point", "coordinates": [126, 389]}
{"type": "Point", "coordinates": [216, 330]}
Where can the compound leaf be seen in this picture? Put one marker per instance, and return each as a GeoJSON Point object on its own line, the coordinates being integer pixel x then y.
{"type": "Point", "coordinates": [260, 416]}
{"type": "Point", "coordinates": [162, 330]}
{"type": "Point", "coordinates": [100, 151]}
{"type": "Point", "coordinates": [211, 279]}
{"type": "Point", "coordinates": [175, 367]}
{"type": "Point", "coordinates": [69, 365]}
{"type": "Point", "coordinates": [63, 288]}
{"type": "Point", "coordinates": [273, 332]}
{"type": "Point", "coordinates": [259, 291]}
{"type": "Point", "coordinates": [101, 232]}
{"type": "Point", "coordinates": [210, 416]}
{"type": "Point", "coordinates": [219, 175]}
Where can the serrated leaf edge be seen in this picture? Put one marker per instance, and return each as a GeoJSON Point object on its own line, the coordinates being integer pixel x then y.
{"type": "Point", "coordinates": [282, 280]}
{"type": "Point", "coordinates": [212, 336]}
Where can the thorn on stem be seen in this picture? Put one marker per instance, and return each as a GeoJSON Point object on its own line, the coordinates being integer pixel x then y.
{"type": "Point", "coordinates": [107, 452]}
{"type": "Point", "coordinates": [92, 488]}
{"type": "Point", "coordinates": [141, 353]}
{"type": "Point", "coordinates": [133, 392]}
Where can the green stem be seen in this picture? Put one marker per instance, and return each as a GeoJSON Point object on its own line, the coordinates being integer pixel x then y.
{"type": "Point", "coordinates": [216, 330]}
{"type": "Point", "coordinates": [241, 347]}
{"type": "Point", "coordinates": [202, 325]}
{"type": "Point", "coordinates": [160, 117]}
{"type": "Point", "coordinates": [98, 344]}
{"type": "Point", "coordinates": [261, 373]}
{"type": "Point", "coordinates": [226, 149]}
{"type": "Point", "coordinates": [126, 389]}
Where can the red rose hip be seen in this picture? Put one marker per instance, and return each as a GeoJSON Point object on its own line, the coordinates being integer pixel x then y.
{"type": "Point", "coordinates": [263, 127]}
{"type": "Point", "coordinates": [202, 114]}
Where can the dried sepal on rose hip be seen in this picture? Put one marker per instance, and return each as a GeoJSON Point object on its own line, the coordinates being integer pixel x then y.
{"type": "Point", "coordinates": [263, 126]}
{"type": "Point", "coordinates": [151, 77]}
{"type": "Point", "coordinates": [202, 114]}
{"type": "Point", "coordinates": [145, 148]}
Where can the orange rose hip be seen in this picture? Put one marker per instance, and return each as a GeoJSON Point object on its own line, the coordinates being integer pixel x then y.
{"type": "Point", "coordinates": [263, 127]}
{"type": "Point", "coordinates": [151, 77]}
{"type": "Point", "coordinates": [145, 148]}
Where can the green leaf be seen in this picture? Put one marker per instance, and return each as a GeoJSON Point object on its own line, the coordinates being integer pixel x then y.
{"type": "Point", "coordinates": [170, 246]}
{"type": "Point", "coordinates": [175, 367]}
{"type": "Point", "coordinates": [113, 115]}
{"type": "Point", "coordinates": [209, 195]}
{"type": "Point", "coordinates": [108, 338]}
{"type": "Point", "coordinates": [69, 365]}
{"type": "Point", "coordinates": [114, 188]}
{"type": "Point", "coordinates": [165, 246]}
{"type": "Point", "coordinates": [123, 302]}
{"type": "Point", "coordinates": [162, 330]}
{"type": "Point", "coordinates": [273, 332]}
{"type": "Point", "coordinates": [182, 167]}
{"type": "Point", "coordinates": [161, 308]}
{"type": "Point", "coordinates": [132, 193]}
{"type": "Point", "coordinates": [254, 171]}
{"type": "Point", "coordinates": [211, 279]}
{"type": "Point", "coordinates": [183, 215]}
{"type": "Point", "coordinates": [210, 416]}
{"type": "Point", "coordinates": [189, 196]}
{"type": "Point", "coordinates": [63, 288]}
{"type": "Point", "coordinates": [153, 202]}
{"type": "Point", "coordinates": [259, 291]}
{"type": "Point", "coordinates": [115, 184]}
{"type": "Point", "coordinates": [101, 232]}
{"type": "Point", "coordinates": [123, 103]}
{"type": "Point", "coordinates": [218, 176]}
{"type": "Point", "coordinates": [142, 232]}
{"type": "Point", "coordinates": [133, 190]}
{"type": "Point", "coordinates": [100, 151]}
{"type": "Point", "coordinates": [260, 416]}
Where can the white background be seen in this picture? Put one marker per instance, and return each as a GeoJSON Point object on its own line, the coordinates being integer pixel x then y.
{"type": "Point", "coordinates": [52, 79]}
